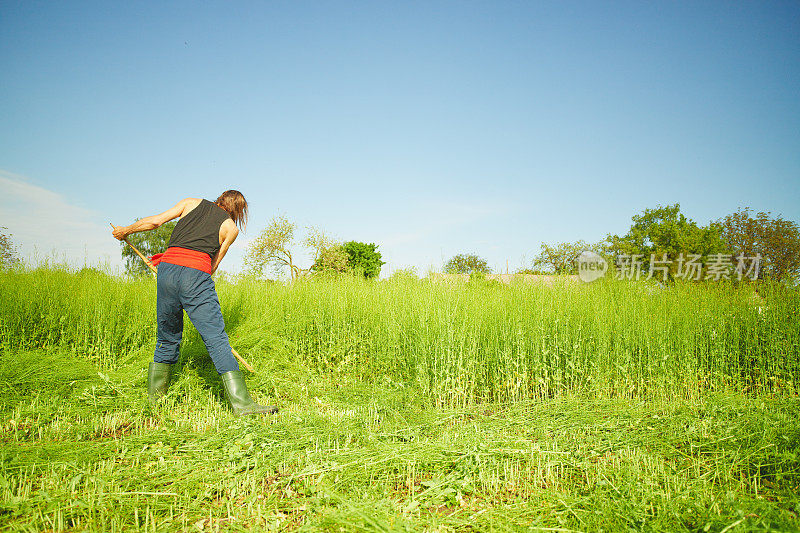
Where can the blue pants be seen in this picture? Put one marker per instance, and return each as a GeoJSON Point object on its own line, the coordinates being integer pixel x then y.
{"type": "Point", "coordinates": [180, 288]}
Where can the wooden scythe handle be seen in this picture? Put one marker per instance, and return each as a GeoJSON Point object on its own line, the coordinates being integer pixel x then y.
{"type": "Point", "coordinates": [140, 254]}
{"type": "Point", "coordinates": [241, 360]}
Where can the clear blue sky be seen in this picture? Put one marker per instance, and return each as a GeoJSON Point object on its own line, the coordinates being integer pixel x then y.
{"type": "Point", "coordinates": [429, 128]}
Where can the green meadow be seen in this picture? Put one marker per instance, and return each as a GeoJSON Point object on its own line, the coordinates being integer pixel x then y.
{"type": "Point", "coordinates": [406, 405]}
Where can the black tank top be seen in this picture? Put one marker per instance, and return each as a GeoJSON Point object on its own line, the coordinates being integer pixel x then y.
{"type": "Point", "coordinates": [199, 230]}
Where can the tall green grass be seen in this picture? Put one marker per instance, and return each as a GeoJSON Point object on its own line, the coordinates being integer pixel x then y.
{"type": "Point", "coordinates": [457, 344]}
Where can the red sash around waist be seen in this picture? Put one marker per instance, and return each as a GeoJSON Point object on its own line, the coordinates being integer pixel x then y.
{"type": "Point", "coordinates": [184, 257]}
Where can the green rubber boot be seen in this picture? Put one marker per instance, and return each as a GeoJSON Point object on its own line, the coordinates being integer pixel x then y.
{"type": "Point", "coordinates": [240, 400]}
{"type": "Point", "coordinates": [157, 380]}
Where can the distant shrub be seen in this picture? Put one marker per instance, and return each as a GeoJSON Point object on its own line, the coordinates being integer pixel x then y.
{"type": "Point", "coordinates": [408, 273]}
{"type": "Point", "coordinates": [466, 264]}
{"type": "Point", "coordinates": [477, 277]}
{"type": "Point", "coordinates": [532, 272]}
{"type": "Point", "coordinates": [363, 259]}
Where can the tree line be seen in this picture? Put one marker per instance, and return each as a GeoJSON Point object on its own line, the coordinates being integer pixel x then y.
{"type": "Point", "coordinates": [666, 232]}
{"type": "Point", "coordinates": [655, 233]}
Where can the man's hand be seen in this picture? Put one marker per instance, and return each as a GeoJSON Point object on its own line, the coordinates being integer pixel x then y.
{"type": "Point", "coordinates": [120, 232]}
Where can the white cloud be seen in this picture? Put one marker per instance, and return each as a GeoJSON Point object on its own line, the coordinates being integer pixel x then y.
{"type": "Point", "coordinates": [44, 224]}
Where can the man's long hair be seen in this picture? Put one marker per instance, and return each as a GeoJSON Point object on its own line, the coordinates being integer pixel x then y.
{"type": "Point", "coordinates": [234, 203]}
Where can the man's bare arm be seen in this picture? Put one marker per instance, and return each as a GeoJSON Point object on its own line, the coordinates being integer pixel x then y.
{"type": "Point", "coordinates": [230, 232]}
{"type": "Point", "coordinates": [154, 221]}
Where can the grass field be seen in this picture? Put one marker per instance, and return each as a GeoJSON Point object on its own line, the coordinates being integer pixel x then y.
{"type": "Point", "coordinates": [405, 406]}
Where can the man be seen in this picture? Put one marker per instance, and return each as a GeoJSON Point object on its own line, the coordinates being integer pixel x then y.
{"type": "Point", "coordinates": [199, 242]}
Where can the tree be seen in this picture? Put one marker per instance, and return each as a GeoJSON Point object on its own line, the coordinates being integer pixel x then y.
{"type": "Point", "coordinates": [561, 258]}
{"type": "Point", "coordinates": [466, 264]}
{"type": "Point", "coordinates": [329, 256]}
{"type": "Point", "coordinates": [8, 252]}
{"type": "Point", "coordinates": [272, 248]}
{"type": "Point", "coordinates": [363, 258]}
{"type": "Point", "coordinates": [149, 243]}
{"type": "Point", "coordinates": [331, 260]}
{"type": "Point", "coordinates": [664, 230]}
{"type": "Point", "coordinates": [775, 239]}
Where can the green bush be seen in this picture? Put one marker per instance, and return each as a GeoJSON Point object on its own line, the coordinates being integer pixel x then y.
{"type": "Point", "coordinates": [363, 259]}
{"type": "Point", "coordinates": [467, 264]}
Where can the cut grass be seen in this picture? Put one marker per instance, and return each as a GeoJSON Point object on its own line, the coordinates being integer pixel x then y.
{"type": "Point", "coordinates": [81, 450]}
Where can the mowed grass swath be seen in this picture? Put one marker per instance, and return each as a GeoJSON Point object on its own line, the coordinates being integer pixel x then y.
{"type": "Point", "coordinates": [405, 405]}
{"type": "Point", "coordinates": [457, 344]}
